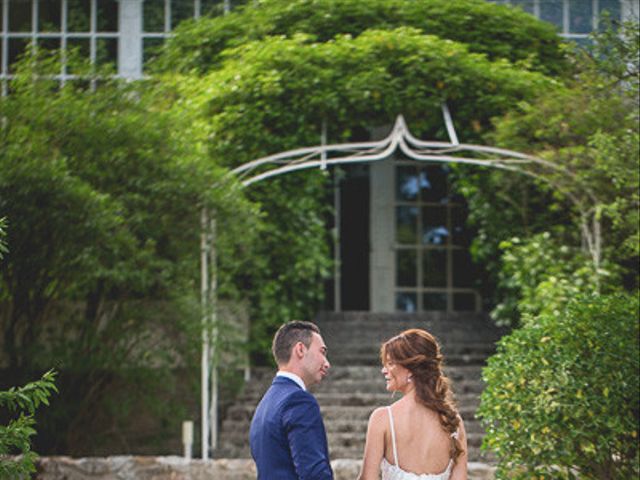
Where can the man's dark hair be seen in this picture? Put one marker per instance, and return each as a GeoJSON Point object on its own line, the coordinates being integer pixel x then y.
{"type": "Point", "coordinates": [288, 335]}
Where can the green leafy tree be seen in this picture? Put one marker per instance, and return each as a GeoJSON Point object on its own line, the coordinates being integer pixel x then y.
{"type": "Point", "coordinates": [562, 393]}
{"type": "Point", "coordinates": [3, 234]}
{"type": "Point", "coordinates": [494, 30]}
{"type": "Point", "coordinates": [103, 189]}
{"type": "Point", "coordinates": [541, 275]}
{"type": "Point", "coordinates": [587, 195]}
{"type": "Point", "coordinates": [270, 74]}
{"type": "Point", "coordinates": [15, 437]}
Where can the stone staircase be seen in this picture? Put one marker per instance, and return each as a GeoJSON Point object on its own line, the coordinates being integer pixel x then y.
{"type": "Point", "coordinates": [355, 386]}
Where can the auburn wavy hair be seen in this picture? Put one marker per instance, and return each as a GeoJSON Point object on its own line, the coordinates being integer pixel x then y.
{"type": "Point", "coordinates": [419, 352]}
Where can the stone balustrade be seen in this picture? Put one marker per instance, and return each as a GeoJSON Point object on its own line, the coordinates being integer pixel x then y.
{"type": "Point", "coordinates": [178, 468]}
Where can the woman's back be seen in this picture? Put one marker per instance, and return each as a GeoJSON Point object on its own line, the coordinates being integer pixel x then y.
{"type": "Point", "coordinates": [422, 445]}
{"type": "Point", "coordinates": [421, 436]}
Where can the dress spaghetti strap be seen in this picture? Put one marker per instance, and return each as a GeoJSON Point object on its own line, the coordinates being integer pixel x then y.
{"type": "Point", "coordinates": [393, 438]}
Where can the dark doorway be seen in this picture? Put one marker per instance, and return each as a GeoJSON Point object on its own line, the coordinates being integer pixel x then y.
{"type": "Point", "coordinates": [354, 238]}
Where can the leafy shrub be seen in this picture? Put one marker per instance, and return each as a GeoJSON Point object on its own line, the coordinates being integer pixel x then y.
{"type": "Point", "coordinates": [562, 393]}
{"type": "Point", "coordinates": [14, 437]}
{"type": "Point", "coordinates": [540, 275]}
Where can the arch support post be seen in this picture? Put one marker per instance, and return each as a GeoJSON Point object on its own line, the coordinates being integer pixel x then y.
{"type": "Point", "coordinates": [209, 378]}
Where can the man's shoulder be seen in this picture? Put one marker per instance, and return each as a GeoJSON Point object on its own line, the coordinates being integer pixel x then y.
{"type": "Point", "coordinates": [285, 391]}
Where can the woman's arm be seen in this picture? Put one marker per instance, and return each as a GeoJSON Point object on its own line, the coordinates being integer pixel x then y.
{"type": "Point", "coordinates": [459, 471]}
{"type": "Point", "coordinates": [374, 445]}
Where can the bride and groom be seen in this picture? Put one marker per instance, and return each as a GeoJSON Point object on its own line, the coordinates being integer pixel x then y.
{"type": "Point", "coordinates": [420, 436]}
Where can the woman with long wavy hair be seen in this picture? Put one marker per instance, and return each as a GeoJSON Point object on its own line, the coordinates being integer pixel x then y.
{"type": "Point", "coordinates": [420, 436]}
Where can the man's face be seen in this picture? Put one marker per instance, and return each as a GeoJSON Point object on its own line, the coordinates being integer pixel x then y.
{"type": "Point", "coordinates": [314, 363]}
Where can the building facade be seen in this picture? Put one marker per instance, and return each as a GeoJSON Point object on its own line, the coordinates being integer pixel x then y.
{"type": "Point", "coordinates": [404, 248]}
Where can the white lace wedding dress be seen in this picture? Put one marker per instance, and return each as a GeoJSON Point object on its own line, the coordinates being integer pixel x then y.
{"type": "Point", "coordinates": [394, 472]}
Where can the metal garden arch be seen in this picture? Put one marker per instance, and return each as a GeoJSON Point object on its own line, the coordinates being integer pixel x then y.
{"type": "Point", "coordinates": [324, 156]}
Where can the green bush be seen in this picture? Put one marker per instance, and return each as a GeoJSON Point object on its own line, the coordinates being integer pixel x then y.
{"type": "Point", "coordinates": [562, 396]}
{"type": "Point", "coordinates": [540, 275]}
{"type": "Point", "coordinates": [15, 437]}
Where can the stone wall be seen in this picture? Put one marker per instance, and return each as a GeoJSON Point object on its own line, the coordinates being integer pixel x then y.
{"type": "Point", "coordinates": [178, 468]}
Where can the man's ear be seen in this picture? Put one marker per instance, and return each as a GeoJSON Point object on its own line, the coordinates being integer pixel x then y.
{"type": "Point", "coordinates": [299, 349]}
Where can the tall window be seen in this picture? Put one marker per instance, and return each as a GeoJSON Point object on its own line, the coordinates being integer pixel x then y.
{"type": "Point", "coordinates": [433, 266]}
{"type": "Point", "coordinates": [574, 19]}
{"type": "Point", "coordinates": [160, 17]}
{"type": "Point", "coordinates": [91, 26]}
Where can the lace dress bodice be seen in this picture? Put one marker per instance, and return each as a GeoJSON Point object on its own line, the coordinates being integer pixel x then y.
{"type": "Point", "coordinates": [394, 472]}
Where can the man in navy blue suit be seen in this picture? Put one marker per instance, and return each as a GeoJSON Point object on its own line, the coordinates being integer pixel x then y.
{"type": "Point", "coordinates": [287, 436]}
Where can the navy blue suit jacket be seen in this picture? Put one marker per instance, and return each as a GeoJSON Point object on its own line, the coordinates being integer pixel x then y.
{"type": "Point", "coordinates": [287, 436]}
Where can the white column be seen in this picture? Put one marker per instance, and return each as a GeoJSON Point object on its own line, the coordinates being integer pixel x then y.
{"type": "Point", "coordinates": [130, 39]}
{"type": "Point", "coordinates": [382, 237]}
{"type": "Point", "coordinates": [630, 10]}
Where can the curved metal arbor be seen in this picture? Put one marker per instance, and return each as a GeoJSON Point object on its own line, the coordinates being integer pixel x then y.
{"type": "Point", "coordinates": [561, 179]}
{"type": "Point", "coordinates": [400, 138]}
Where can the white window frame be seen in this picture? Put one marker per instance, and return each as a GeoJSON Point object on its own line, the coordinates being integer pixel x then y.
{"type": "Point", "coordinates": [449, 290]}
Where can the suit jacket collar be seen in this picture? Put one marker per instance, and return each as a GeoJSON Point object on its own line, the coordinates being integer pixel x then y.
{"type": "Point", "coordinates": [290, 377]}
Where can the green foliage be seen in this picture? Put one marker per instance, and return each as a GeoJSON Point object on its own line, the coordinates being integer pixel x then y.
{"type": "Point", "coordinates": [497, 31]}
{"type": "Point", "coordinates": [15, 437]}
{"type": "Point", "coordinates": [597, 140]}
{"type": "Point", "coordinates": [562, 393]}
{"type": "Point", "coordinates": [273, 94]}
{"type": "Point", "coordinates": [103, 190]}
{"type": "Point", "coordinates": [592, 150]}
{"type": "Point", "coordinates": [544, 276]}
{"type": "Point", "coordinates": [3, 234]}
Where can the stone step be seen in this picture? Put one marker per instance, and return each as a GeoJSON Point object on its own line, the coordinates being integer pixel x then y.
{"type": "Point", "coordinates": [452, 348]}
{"type": "Point", "coordinates": [368, 360]}
{"type": "Point", "coordinates": [243, 412]}
{"type": "Point", "coordinates": [465, 379]}
{"type": "Point", "coordinates": [348, 445]}
{"type": "Point", "coordinates": [353, 337]}
{"type": "Point", "coordinates": [365, 317]}
{"type": "Point", "coordinates": [391, 324]}
{"type": "Point", "coordinates": [355, 385]}
{"type": "Point", "coordinates": [374, 399]}
{"type": "Point", "coordinates": [363, 372]}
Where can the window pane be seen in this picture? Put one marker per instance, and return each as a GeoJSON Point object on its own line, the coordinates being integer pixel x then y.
{"type": "Point", "coordinates": [434, 301]}
{"type": "Point", "coordinates": [406, 268]}
{"type": "Point", "coordinates": [17, 48]}
{"type": "Point", "coordinates": [238, 3]}
{"type": "Point", "coordinates": [463, 268]}
{"type": "Point", "coordinates": [612, 7]}
{"type": "Point", "coordinates": [108, 15]}
{"type": "Point", "coordinates": [181, 10]}
{"type": "Point", "coordinates": [434, 268]}
{"type": "Point", "coordinates": [581, 43]}
{"type": "Point", "coordinates": [552, 12]}
{"type": "Point", "coordinates": [526, 5]}
{"type": "Point", "coordinates": [407, 225]}
{"type": "Point", "coordinates": [78, 15]}
{"type": "Point", "coordinates": [406, 183]}
{"type": "Point", "coordinates": [580, 16]}
{"type": "Point", "coordinates": [49, 44]}
{"type": "Point", "coordinates": [19, 16]}
{"type": "Point", "coordinates": [49, 16]}
{"type": "Point", "coordinates": [211, 7]}
{"type": "Point", "coordinates": [433, 184]}
{"type": "Point", "coordinates": [80, 47]}
{"type": "Point", "coordinates": [434, 226]}
{"type": "Point", "coordinates": [153, 15]}
{"type": "Point", "coordinates": [107, 52]}
{"type": "Point", "coordinates": [151, 49]}
{"type": "Point", "coordinates": [406, 302]}
{"type": "Point", "coordinates": [464, 302]}
{"type": "Point", "coordinates": [460, 233]}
